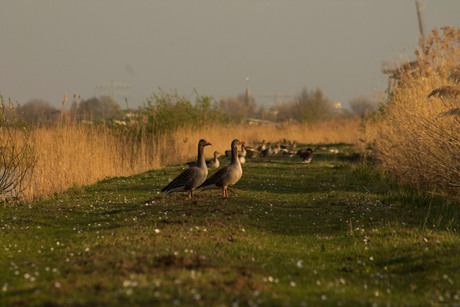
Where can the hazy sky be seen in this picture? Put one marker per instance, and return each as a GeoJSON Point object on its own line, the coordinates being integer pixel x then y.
{"type": "Point", "coordinates": [49, 47]}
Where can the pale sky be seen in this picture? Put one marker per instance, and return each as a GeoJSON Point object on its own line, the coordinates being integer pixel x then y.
{"type": "Point", "coordinates": [49, 47]}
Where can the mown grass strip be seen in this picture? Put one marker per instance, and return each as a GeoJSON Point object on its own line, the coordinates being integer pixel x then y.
{"type": "Point", "coordinates": [333, 232]}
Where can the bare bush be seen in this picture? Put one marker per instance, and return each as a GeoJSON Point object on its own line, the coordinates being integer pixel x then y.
{"type": "Point", "coordinates": [362, 105]}
{"type": "Point", "coordinates": [17, 158]}
{"type": "Point", "coordinates": [239, 108]}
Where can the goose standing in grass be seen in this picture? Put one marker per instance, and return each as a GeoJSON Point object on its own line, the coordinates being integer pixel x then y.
{"type": "Point", "coordinates": [262, 146]}
{"type": "Point", "coordinates": [267, 151]}
{"type": "Point", "coordinates": [213, 163]}
{"type": "Point", "coordinates": [242, 154]}
{"type": "Point", "coordinates": [251, 152]}
{"type": "Point", "coordinates": [306, 155]}
{"type": "Point", "coordinates": [228, 175]}
{"type": "Point", "coordinates": [277, 149]}
{"type": "Point", "coordinates": [192, 177]}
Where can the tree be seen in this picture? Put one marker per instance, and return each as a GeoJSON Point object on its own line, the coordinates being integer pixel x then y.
{"type": "Point", "coordinates": [286, 111]}
{"type": "Point", "coordinates": [96, 109]}
{"type": "Point", "coordinates": [166, 112]}
{"type": "Point", "coordinates": [312, 106]}
{"type": "Point", "coordinates": [240, 108]}
{"type": "Point", "coordinates": [362, 105]}
{"type": "Point", "coordinates": [38, 111]}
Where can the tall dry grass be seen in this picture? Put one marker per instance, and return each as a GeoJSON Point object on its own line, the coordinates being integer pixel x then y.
{"type": "Point", "coordinates": [71, 154]}
{"type": "Point", "coordinates": [416, 136]}
{"type": "Point", "coordinates": [329, 131]}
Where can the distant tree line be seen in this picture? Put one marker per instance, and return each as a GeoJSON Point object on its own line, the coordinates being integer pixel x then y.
{"type": "Point", "coordinates": [308, 106]}
{"type": "Point", "coordinates": [166, 111]}
{"type": "Point", "coordinates": [38, 111]}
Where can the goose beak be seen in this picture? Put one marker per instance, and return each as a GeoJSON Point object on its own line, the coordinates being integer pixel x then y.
{"type": "Point", "coordinates": [242, 142]}
{"type": "Point", "coordinates": [207, 143]}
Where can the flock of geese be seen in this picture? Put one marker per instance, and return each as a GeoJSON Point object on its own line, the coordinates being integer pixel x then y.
{"type": "Point", "coordinates": [194, 179]}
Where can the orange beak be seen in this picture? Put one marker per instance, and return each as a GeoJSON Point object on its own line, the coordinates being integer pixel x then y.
{"type": "Point", "coordinates": [207, 143]}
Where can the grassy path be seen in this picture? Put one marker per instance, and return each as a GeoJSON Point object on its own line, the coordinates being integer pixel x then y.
{"type": "Point", "coordinates": [329, 233]}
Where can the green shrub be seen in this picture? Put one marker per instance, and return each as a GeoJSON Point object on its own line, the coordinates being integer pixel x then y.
{"type": "Point", "coordinates": [166, 112]}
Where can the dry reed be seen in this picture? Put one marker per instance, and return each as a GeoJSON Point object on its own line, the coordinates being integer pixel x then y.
{"type": "Point", "coordinates": [71, 154]}
{"type": "Point", "coordinates": [416, 136]}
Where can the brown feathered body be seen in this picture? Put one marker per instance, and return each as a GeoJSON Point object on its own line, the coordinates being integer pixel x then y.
{"type": "Point", "coordinates": [191, 178]}
{"type": "Point", "coordinates": [226, 176]}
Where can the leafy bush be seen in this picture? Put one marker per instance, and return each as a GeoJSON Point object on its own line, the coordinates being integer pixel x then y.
{"type": "Point", "coordinates": [167, 112]}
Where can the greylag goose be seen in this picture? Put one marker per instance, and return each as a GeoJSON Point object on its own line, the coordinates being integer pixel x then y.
{"type": "Point", "coordinates": [277, 149]}
{"type": "Point", "coordinates": [241, 153]}
{"type": "Point", "coordinates": [306, 155]}
{"type": "Point", "coordinates": [289, 150]}
{"type": "Point", "coordinates": [213, 163]}
{"type": "Point", "coordinates": [192, 177]}
{"type": "Point", "coordinates": [267, 151]}
{"type": "Point", "coordinates": [262, 147]}
{"type": "Point", "coordinates": [251, 152]}
{"type": "Point", "coordinates": [288, 154]}
{"type": "Point", "coordinates": [228, 175]}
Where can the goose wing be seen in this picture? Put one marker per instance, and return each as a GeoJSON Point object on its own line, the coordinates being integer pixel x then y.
{"type": "Point", "coordinates": [216, 178]}
{"type": "Point", "coordinates": [184, 179]}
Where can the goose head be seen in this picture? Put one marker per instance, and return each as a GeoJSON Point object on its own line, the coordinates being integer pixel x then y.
{"type": "Point", "coordinates": [203, 143]}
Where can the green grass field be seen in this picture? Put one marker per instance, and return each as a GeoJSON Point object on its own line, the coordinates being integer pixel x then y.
{"type": "Point", "coordinates": [332, 233]}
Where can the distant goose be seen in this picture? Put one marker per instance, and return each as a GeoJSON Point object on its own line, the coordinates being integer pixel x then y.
{"type": "Point", "coordinates": [251, 152]}
{"type": "Point", "coordinates": [241, 154]}
{"type": "Point", "coordinates": [277, 149]}
{"type": "Point", "coordinates": [226, 176]}
{"type": "Point", "coordinates": [191, 178]}
{"type": "Point", "coordinates": [262, 147]}
{"type": "Point", "coordinates": [213, 163]}
{"type": "Point", "coordinates": [287, 153]}
{"type": "Point", "coordinates": [267, 151]}
{"type": "Point", "coordinates": [306, 155]}
{"type": "Point", "coordinates": [243, 151]}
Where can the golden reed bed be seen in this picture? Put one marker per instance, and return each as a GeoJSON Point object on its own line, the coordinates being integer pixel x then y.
{"type": "Point", "coordinates": [416, 134]}
{"type": "Point", "coordinates": [74, 155]}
